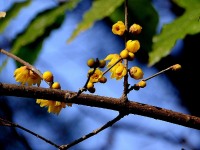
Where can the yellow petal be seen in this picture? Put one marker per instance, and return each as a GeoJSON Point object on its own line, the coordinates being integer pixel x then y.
{"type": "Point", "coordinates": [58, 103]}
{"type": "Point", "coordinates": [119, 69]}
{"type": "Point", "coordinates": [113, 75]}
{"type": "Point", "coordinates": [109, 57]}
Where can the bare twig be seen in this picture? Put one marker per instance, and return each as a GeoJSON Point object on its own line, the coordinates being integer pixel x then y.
{"type": "Point", "coordinates": [11, 124]}
{"type": "Point", "coordinates": [112, 66]}
{"type": "Point", "coordinates": [124, 96]}
{"type": "Point", "coordinates": [101, 102]}
{"type": "Point", "coordinates": [25, 64]}
{"type": "Point", "coordinates": [169, 68]}
{"type": "Point", "coordinates": [136, 87]}
{"type": "Point", "coordinates": [108, 124]}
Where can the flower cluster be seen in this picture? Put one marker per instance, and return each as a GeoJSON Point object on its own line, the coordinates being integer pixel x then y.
{"type": "Point", "coordinates": [25, 74]}
{"type": "Point", "coordinates": [118, 70]}
{"type": "Point", "coordinates": [97, 75]}
{"type": "Point", "coordinates": [53, 106]}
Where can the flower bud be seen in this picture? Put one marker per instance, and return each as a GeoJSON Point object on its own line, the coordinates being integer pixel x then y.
{"type": "Point", "coordinates": [48, 76]}
{"type": "Point", "coordinates": [136, 73]}
{"type": "Point", "coordinates": [176, 67]}
{"type": "Point", "coordinates": [135, 29]}
{"type": "Point", "coordinates": [133, 46]}
{"type": "Point", "coordinates": [131, 56]}
{"type": "Point", "coordinates": [92, 90]}
{"type": "Point", "coordinates": [124, 54]}
{"type": "Point", "coordinates": [90, 85]}
{"type": "Point", "coordinates": [141, 84]}
{"type": "Point", "coordinates": [91, 63]}
{"type": "Point", "coordinates": [102, 63]}
{"type": "Point", "coordinates": [103, 80]}
{"type": "Point", "coordinates": [56, 85]}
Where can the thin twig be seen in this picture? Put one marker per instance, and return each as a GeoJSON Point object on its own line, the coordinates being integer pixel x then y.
{"type": "Point", "coordinates": [136, 87]}
{"type": "Point", "coordinates": [112, 66]}
{"type": "Point", "coordinates": [108, 124]}
{"type": "Point", "coordinates": [11, 124]}
{"type": "Point", "coordinates": [158, 73]}
{"type": "Point", "coordinates": [25, 64]}
{"type": "Point", "coordinates": [125, 60]}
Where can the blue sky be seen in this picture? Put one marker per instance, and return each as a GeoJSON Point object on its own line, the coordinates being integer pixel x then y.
{"type": "Point", "coordinates": [68, 64]}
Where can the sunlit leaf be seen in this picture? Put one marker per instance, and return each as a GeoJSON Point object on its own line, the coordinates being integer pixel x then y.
{"type": "Point", "coordinates": [99, 10]}
{"type": "Point", "coordinates": [11, 13]}
{"type": "Point", "coordinates": [182, 26]}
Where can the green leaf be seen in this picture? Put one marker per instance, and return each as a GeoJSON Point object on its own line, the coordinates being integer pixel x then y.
{"type": "Point", "coordinates": [185, 3]}
{"type": "Point", "coordinates": [182, 26]}
{"type": "Point", "coordinates": [29, 43]}
{"type": "Point", "coordinates": [11, 13]}
{"type": "Point", "coordinates": [99, 10]}
{"type": "Point", "coordinates": [143, 13]}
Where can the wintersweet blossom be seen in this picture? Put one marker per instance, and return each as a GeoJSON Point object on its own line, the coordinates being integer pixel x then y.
{"type": "Point", "coordinates": [53, 106]}
{"type": "Point", "coordinates": [118, 72]}
{"type": "Point", "coordinates": [24, 74]}
{"type": "Point", "coordinates": [118, 28]}
{"type": "Point", "coordinates": [95, 77]}
{"type": "Point", "coordinates": [114, 58]}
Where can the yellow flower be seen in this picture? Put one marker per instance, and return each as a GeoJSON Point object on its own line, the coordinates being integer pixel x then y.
{"type": "Point", "coordinates": [118, 72]}
{"type": "Point", "coordinates": [118, 28]}
{"type": "Point", "coordinates": [95, 77]}
{"type": "Point", "coordinates": [25, 74]}
{"type": "Point", "coordinates": [133, 46]}
{"type": "Point", "coordinates": [54, 106]}
{"type": "Point", "coordinates": [114, 58]}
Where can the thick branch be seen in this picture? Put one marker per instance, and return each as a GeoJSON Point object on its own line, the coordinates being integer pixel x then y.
{"type": "Point", "coordinates": [101, 102]}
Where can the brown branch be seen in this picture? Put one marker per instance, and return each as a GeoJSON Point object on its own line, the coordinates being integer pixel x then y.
{"type": "Point", "coordinates": [108, 124]}
{"type": "Point", "coordinates": [101, 102]}
{"type": "Point", "coordinates": [11, 124]}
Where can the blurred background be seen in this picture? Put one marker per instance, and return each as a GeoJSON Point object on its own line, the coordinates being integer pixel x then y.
{"type": "Point", "coordinates": [37, 31]}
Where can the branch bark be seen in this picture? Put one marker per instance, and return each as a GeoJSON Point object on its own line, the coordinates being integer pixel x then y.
{"type": "Point", "coordinates": [101, 102]}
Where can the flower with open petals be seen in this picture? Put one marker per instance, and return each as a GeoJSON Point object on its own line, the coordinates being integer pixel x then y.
{"type": "Point", "coordinates": [118, 72]}
{"type": "Point", "coordinates": [114, 58]}
{"type": "Point", "coordinates": [25, 74]}
{"type": "Point", "coordinates": [118, 28]}
{"type": "Point", "coordinates": [95, 77]}
{"type": "Point", "coordinates": [53, 106]}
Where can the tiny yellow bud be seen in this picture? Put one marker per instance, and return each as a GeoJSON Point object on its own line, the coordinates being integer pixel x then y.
{"type": "Point", "coordinates": [124, 54]}
{"type": "Point", "coordinates": [90, 85]}
{"type": "Point", "coordinates": [56, 85]}
{"type": "Point", "coordinates": [48, 76]}
{"type": "Point", "coordinates": [135, 29]}
{"type": "Point", "coordinates": [133, 46]}
{"type": "Point", "coordinates": [141, 84]}
{"type": "Point", "coordinates": [131, 56]}
{"type": "Point", "coordinates": [92, 90]}
{"type": "Point", "coordinates": [103, 80]}
{"type": "Point", "coordinates": [176, 67]}
{"type": "Point", "coordinates": [91, 63]}
{"type": "Point", "coordinates": [136, 73]}
{"type": "Point", "coordinates": [102, 63]}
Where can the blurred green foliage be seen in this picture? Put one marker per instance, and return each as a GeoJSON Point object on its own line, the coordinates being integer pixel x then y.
{"type": "Point", "coordinates": [11, 13]}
